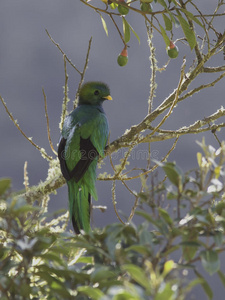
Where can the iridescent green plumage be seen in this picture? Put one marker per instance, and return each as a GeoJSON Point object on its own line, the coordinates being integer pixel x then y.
{"type": "Point", "coordinates": [84, 137]}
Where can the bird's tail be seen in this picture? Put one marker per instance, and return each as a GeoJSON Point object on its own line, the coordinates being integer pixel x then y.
{"type": "Point", "coordinates": [79, 206]}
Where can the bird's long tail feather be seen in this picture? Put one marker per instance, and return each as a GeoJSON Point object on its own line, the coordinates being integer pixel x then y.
{"type": "Point", "coordinates": [79, 206]}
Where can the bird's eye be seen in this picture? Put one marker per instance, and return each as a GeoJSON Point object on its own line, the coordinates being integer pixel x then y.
{"type": "Point", "coordinates": [96, 92]}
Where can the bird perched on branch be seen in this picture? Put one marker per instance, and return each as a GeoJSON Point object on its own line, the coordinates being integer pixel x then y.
{"type": "Point", "coordinates": [83, 139]}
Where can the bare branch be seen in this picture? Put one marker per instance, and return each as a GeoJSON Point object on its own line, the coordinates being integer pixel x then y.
{"type": "Point", "coordinates": [66, 98]}
{"type": "Point", "coordinates": [83, 73]}
{"type": "Point", "coordinates": [41, 150]}
{"type": "Point", "coordinates": [214, 69]}
{"type": "Point", "coordinates": [57, 45]}
{"type": "Point", "coordinates": [25, 176]}
{"type": "Point", "coordinates": [201, 87]}
{"type": "Point", "coordinates": [114, 202]}
{"type": "Point", "coordinates": [47, 119]}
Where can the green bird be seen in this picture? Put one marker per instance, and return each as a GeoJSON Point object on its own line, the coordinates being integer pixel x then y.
{"type": "Point", "coordinates": [83, 139]}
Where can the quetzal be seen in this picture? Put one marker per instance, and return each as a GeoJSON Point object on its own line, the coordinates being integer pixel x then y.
{"type": "Point", "coordinates": [84, 136]}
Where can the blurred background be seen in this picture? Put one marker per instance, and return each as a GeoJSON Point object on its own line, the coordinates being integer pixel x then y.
{"type": "Point", "coordinates": [29, 61]}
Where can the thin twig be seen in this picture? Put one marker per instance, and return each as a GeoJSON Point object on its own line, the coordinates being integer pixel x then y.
{"type": "Point", "coordinates": [119, 178]}
{"type": "Point", "coordinates": [153, 84]}
{"type": "Point", "coordinates": [155, 166]}
{"type": "Point", "coordinates": [133, 209]}
{"type": "Point", "coordinates": [114, 201]}
{"type": "Point", "coordinates": [65, 99]}
{"type": "Point", "coordinates": [83, 73]}
{"type": "Point", "coordinates": [153, 65]}
{"type": "Point", "coordinates": [57, 45]}
{"type": "Point", "coordinates": [173, 103]}
{"type": "Point", "coordinates": [25, 176]}
{"type": "Point", "coordinates": [201, 87]}
{"type": "Point", "coordinates": [47, 119]}
{"type": "Point", "coordinates": [117, 28]}
{"type": "Point", "coordinates": [41, 150]}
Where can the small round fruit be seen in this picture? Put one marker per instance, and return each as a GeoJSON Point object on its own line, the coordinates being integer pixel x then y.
{"type": "Point", "coordinates": [123, 10]}
{"type": "Point", "coordinates": [146, 7]}
{"type": "Point", "coordinates": [172, 50]}
{"type": "Point", "coordinates": [122, 60]}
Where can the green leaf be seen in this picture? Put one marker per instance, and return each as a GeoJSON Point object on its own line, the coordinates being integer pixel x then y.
{"type": "Point", "coordinates": [126, 30]}
{"type": "Point", "coordinates": [94, 293]}
{"type": "Point", "coordinates": [210, 261]}
{"type": "Point", "coordinates": [192, 284]}
{"type": "Point", "coordinates": [104, 24]}
{"type": "Point", "coordinates": [101, 273]}
{"type": "Point", "coordinates": [168, 267]}
{"type": "Point", "coordinates": [163, 3]}
{"type": "Point", "coordinates": [85, 259]}
{"type": "Point", "coordinates": [164, 35]}
{"type": "Point", "coordinates": [51, 257]}
{"type": "Point", "coordinates": [137, 274]}
{"type": "Point", "coordinates": [188, 32]}
{"type": "Point", "coordinates": [189, 249]}
{"type": "Point", "coordinates": [147, 217]}
{"type": "Point", "coordinates": [191, 16]}
{"type": "Point", "coordinates": [113, 5]}
{"type": "Point", "coordinates": [129, 292]}
{"type": "Point", "coordinates": [222, 277]}
{"type": "Point", "coordinates": [218, 237]}
{"type": "Point", "coordinates": [137, 36]}
{"type": "Point", "coordinates": [205, 285]}
{"type": "Point", "coordinates": [4, 185]}
{"type": "Point", "coordinates": [168, 23]}
{"type": "Point", "coordinates": [142, 249]}
{"type": "Point", "coordinates": [174, 20]}
{"type": "Point", "coordinates": [164, 214]}
{"type": "Point", "coordinates": [174, 174]}
{"type": "Point", "coordinates": [60, 289]}
{"type": "Point", "coordinates": [220, 207]}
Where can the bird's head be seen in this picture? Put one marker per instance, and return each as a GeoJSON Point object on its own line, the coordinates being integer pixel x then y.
{"type": "Point", "coordinates": [94, 93]}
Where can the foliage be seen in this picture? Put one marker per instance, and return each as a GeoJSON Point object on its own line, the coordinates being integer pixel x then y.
{"type": "Point", "coordinates": [40, 260]}
{"type": "Point", "coordinates": [182, 218]}
{"type": "Point", "coordinates": [174, 14]}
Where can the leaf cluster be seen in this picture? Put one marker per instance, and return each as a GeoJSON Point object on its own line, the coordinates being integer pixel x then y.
{"type": "Point", "coordinates": [41, 260]}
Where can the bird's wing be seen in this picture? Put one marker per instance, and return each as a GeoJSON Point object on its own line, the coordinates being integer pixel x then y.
{"type": "Point", "coordinates": [61, 156]}
{"type": "Point", "coordinates": [88, 154]}
{"type": "Point", "coordinates": [80, 145]}
{"type": "Point", "coordinates": [99, 136]}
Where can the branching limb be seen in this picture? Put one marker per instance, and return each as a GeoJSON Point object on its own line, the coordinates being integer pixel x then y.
{"type": "Point", "coordinates": [155, 166]}
{"type": "Point", "coordinates": [36, 193]}
{"type": "Point", "coordinates": [41, 150]}
{"type": "Point", "coordinates": [201, 87]}
{"type": "Point", "coordinates": [49, 186]}
{"type": "Point", "coordinates": [194, 128]}
{"type": "Point", "coordinates": [70, 62]}
{"type": "Point", "coordinates": [63, 53]}
{"type": "Point", "coordinates": [173, 103]}
{"type": "Point", "coordinates": [124, 140]}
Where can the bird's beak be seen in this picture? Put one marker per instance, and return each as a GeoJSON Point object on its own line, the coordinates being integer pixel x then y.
{"type": "Point", "coordinates": [108, 97]}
